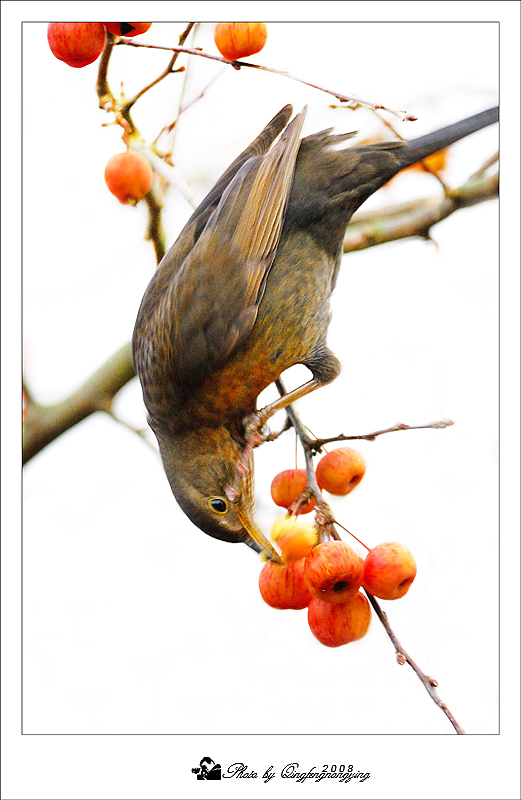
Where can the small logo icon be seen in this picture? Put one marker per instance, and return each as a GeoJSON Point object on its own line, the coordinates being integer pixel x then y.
{"type": "Point", "coordinates": [207, 770]}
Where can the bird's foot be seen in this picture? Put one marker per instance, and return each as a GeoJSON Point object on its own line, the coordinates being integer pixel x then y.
{"type": "Point", "coordinates": [254, 423]}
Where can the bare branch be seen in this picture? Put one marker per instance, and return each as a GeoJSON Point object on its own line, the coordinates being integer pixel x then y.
{"type": "Point", "coordinates": [418, 217]}
{"type": "Point", "coordinates": [182, 108]}
{"type": "Point", "coordinates": [106, 98]}
{"type": "Point", "coordinates": [168, 71]}
{"type": "Point", "coordinates": [141, 432]}
{"type": "Point", "coordinates": [155, 231]}
{"type": "Point", "coordinates": [402, 657]}
{"type": "Point", "coordinates": [316, 444]}
{"type": "Point", "coordinates": [342, 98]}
{"type": "Point", "coordinates": [43, 424]}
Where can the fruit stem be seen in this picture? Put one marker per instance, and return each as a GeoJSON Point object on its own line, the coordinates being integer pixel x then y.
{"type": "Point", "coordinates": [352, 534]}
{"type": "Point", "coordinates": [324, 517]}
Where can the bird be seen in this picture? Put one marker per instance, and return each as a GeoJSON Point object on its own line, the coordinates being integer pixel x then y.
{"type": "Point", "coordinates": [244, 294]}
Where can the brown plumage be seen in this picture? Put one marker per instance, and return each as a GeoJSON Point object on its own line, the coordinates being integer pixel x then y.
{"type": "Point", "coordinates": [244, 294]}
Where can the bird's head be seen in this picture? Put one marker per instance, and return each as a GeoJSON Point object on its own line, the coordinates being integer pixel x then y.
{"type": "Point", "coordinates": [201, 467]}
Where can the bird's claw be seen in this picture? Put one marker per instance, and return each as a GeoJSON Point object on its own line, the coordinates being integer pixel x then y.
{"type": "Point", "coordinates": [253, 428]}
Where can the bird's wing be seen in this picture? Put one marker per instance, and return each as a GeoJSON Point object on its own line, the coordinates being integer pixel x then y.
{"type": "Point", "coordinates": [197, 222]}
{"type": "Point", "coordinates": [211, 305]}
{"type": "Point", "coordinates": [151, 322]}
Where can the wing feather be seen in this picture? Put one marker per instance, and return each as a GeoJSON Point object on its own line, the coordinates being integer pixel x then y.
{"type": "Point", "coordinates": [214, 297]}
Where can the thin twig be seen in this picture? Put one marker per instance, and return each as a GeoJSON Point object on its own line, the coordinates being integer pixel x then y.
{"type": "Point", "coordinates": [403, 115]}
{"type": "Point", "coordinates": [429, 682]}
{"type": "Point", "coordinates": [182, 109]}
{"type": "Point", "coordinates": [488, 163]}
{"type": "Point", "coordinates": [316, 444]}
{"type": "Point", "coordinates": [168, 71]}
{"type": "Point", "coordinates": [141, 432]}
{"type": "Point", "coordinates": [272, 436]}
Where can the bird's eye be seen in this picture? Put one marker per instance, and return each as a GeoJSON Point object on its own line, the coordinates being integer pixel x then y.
{"type": "Point", "coordinates": [218, 504]}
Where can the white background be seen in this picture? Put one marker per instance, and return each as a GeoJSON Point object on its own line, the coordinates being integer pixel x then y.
{"type": "Point", "coordinates": [137, 623]}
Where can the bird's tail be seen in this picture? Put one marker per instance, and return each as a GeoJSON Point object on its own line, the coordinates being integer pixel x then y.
{"type": "Point", "coordinates": [333, 182]}
{"type": "Point", "coordinates": [418, 149]}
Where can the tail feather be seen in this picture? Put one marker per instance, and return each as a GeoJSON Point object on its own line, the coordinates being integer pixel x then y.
{"type": "Point", "coordinates": [333, 183]}
{"type": "Point", "coordinates": [418, 149]}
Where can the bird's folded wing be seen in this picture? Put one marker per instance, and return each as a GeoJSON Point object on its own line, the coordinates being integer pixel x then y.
{"type": "Point", "coordinates": [214, 297]}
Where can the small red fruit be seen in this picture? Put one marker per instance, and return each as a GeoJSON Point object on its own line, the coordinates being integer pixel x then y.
{"type": "Point", "coordinates": [333, 572]}
{"type": "Point", "coordinates": [335, 625]}
{"type": "Point", "coordinates": [240, 39]}
{"type": "Point", "coordinates": [129, 176]}
{"type": "Point", "coordinates": [283, 585]}
{"type": "Point", "coordinates": [340, 471]}
{"type": "Point", "coordinates": [76, 43]}
{"type": "Point", "coordinates": [287, 486]}
{"type": "Point", "coordinates": [295, 539]}
{"type": "Point", "coordinates": [127, 28]}
{"type": "Point", "coordinates": [389, 571]}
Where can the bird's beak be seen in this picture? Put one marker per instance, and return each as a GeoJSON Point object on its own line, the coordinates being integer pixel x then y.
{"type": "Point", "coordinates": [257, 535]}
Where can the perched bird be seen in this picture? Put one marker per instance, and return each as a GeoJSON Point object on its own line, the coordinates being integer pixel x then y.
{"type": "Point", "coordinates": [244, 294]}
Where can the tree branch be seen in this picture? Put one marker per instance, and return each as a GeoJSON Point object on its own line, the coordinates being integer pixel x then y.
{"type": "Point", "coordinates": [43, 424]}
{"type": "Point", "coordinates": [168, 71]}
{"type": "Point", "coordinates": [315, 445]}
{"type": "Point", "coordinates": [418, 217]}
{"type": "Point", "coordinates": [353, 102]}
{"type": "Point", "coordinates": [403, 657]}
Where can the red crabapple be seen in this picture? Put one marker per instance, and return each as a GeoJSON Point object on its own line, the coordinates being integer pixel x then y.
{"type": "Point", "coordinates": [240, 39]}
{"type": "Point", "coordinates": [129, 176]}
{"type": "Point", "coordinates": [338, 624]}
{"type": "Point", "coordinates": [340, 471]}
{"type": "Point", "coordinates": [283, 585]}
{"type": "Point", "coordinates": [389, 570]}
{"type": "Point", "coordinates": [333, 572]}
{"type": "Point", "coordinates": [287, 486]}
{"type": "Point", "coordinates": [76, 43]}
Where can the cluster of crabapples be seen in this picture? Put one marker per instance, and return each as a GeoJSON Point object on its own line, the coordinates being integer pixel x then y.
{"type": "Point", "coordinates": [129, 175]}
{"type": "Point", "coordinates": [326, 577]}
